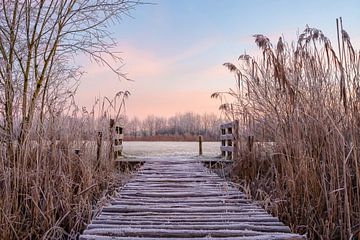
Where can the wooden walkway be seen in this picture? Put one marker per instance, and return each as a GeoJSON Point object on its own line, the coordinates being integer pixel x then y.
{"type": "Point", "coordinates": [176, 199]}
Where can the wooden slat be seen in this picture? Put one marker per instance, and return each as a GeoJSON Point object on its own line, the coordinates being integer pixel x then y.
{"type": "Point", "coordinates": [227, 125]}
{"type": "Point", "coordinates": [227, 148]}
{"type": "Point", "coordinates": [189, 222]}
{"type": "Point", "coordinates": [262, 237]}
{"type": "Point", "coordinates": [200, 227]}
{"type": "Point", "coordinates": [169, 233]}
{"type": "Point", "coordinates": [227, 137]}
{"type": "Point", "coordinates": [177, 199]}
{"type": "Point", "coordinates": [118, 136]}
{"type": "Point", "coordinates": [118, 147]}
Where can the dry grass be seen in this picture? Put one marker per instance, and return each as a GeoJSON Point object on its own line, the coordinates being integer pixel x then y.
{"type": "Point", "coordinates": [51, 192]}
{"type": "Point", "coordinates": [305, 97]}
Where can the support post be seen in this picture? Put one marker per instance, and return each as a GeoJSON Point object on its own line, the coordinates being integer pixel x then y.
{"type": "Point", "coordinates": [77, 152]}
{"type": "Point", "coordinates": [200, 145]}
{"type": "Point", "coordinates": [98, 144]}
{"type": "Point", "coordinates": [116, 140]}
{"type": "Point", "coordinates": [111, 139]}
{"type": "Point", "coordinates": [229, 140]}
{"type": "Point", "coordinates": [236, 139]}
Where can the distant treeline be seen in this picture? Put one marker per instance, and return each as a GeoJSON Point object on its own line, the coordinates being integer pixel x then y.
{"type": "Point", "coordinates": [181, 127]}
{"type": "Point", "coordinates": [168, 138]}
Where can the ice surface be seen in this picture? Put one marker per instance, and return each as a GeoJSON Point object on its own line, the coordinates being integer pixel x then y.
{"type": "Point", "coordinates": [169, 149]}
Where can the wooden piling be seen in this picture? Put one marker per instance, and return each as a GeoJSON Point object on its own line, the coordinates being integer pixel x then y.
{"type": "Point", "coordinates": [98, 144]}
{"type": "Point", "coordinates": [111, 139]}
{"type": "Point", "coordinates": [200, 145]}
{"type": "Point", "coordinates": [236, 139]}
{"type": "Point", "coordinates": [250, 143]}
{"type": "Point", "coordinates": [229, 140]}
{"type": "Point", "coordinates": [77, 152]}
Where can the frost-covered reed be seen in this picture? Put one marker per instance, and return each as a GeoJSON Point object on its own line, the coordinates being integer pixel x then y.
{"type": "Point", "coordinates": [305, 97]}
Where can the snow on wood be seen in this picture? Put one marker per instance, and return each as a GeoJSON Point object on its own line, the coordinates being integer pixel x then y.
{"type": "Point", "coordinates": [175, 199]}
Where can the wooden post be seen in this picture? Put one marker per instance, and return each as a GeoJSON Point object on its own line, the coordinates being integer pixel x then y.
{"type": "Point", "coordinates": [200, 145]}
{"type": "Point", "coordinates": [229, 140]}
{"type": "Point", "coordinates": [111, 139]}
{"type": "Point", "coordinates": [117, 140]}
{"type": "Point", "coordinates": [236, 140]}
{"type": "Point", "coordinates": [250, 143]}
{"type": "Point", "coordinates": [77, 152]}
{"type": "Point", "coordinates": [98, 143]}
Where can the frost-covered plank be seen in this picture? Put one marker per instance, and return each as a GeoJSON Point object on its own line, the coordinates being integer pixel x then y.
{"type": "Point", "coordinates": [232, 218]}
{"type": "Point", "coordinates": [262, 237]}
{"type": "Point", "coordinates": [182, 199]}
{"type": "Point", "coordinates": [192, 209]}
{"type": "Point", "coordinates": [205, 227]}
{"type": "Point", "coordinates": [159, 232]}
{"type": "Point", "coordinates": [156, 222]}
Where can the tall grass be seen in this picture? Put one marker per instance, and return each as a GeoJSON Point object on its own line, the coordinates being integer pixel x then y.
{"type": "Point", "coordinates": [305, 97]}
{"type": "Point", "coordinates": [52, 192]}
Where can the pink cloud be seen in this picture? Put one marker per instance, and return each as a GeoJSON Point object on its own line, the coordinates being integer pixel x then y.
{"type": "Point", "coordinates": [169, 103]}
{"type": "Point", "coordinates": [152, 73]}
{"type": "Point", "coordinates": [144, 63]}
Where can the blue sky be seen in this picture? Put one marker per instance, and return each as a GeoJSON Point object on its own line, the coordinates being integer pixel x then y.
{"type": "Point", "coordinates": [174, 49]}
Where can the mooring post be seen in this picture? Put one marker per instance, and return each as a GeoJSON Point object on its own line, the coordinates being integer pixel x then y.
{"type": "Point", "coordinates": [200, 145]}
{"type": "Point", "coordinates": [98, 143]}
{"type": "Point", "coordinates": [118, 141]}
{"type": "Point", "coordinates": [77, 152]}
{"type": "Point", "coordinates": [236, 139]}
{"type": "Point", "coordinates": [111, 139]}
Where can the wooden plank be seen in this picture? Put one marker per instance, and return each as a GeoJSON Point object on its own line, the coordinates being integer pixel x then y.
{"type": "Point", "coordinates": [262, 237]}
{"type": "Point", "coordinates": [214, 161]}
{"type": "Point", "coordinates": [177, 204]}
{"type": "Point", "coordinates": [181, 199]}
{"type": "Point", "coordinates": [118, 147]}
{"type": "Point", "coordinates": [227, 125]}
{"type": "Point", "coordinates": [169, 233]}
{"type": "Point", "coordinates": [156, 222]}
{"type": "Point", "coordinates": [199, 227]}
{"type": "Point", "coordinates": [227, 137]}
{"type": "Point", "coordinates": [173, 215]}
{"type": "Point", "coordinates": [194, 218]}
{"type": "Point", "coordinates": [227, 148]}
{"type": "Point", "coordinates": [118, 136]}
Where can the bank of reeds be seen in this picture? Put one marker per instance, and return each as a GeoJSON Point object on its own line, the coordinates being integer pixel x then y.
{"type": "Point", "coordinates": [51, 191]}
{"type": "Point", "coordinates": [305, 97]}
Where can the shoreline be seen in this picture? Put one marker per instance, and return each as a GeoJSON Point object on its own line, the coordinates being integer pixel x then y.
{"type": "Point", "coordinates": [167, 139]}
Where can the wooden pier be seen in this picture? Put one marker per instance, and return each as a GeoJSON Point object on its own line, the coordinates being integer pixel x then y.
{"type": "Point", "coordinates": [181, 199]}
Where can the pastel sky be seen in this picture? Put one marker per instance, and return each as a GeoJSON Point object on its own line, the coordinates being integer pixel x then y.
{"type": "Point", "coordinates": [174, 49]}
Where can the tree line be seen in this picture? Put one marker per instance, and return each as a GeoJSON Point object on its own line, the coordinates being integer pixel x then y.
{"type": "Point", "coordinates": [187, 124]}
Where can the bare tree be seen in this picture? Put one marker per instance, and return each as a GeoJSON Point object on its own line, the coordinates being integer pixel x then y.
{"type": "Point", "coordinates": [37, 39]}
{"type": "Point", "coordinates": [189, 123]}
{"type": "Point", "coordinates": [134, 126]}
{"type": "Point", "coordinates": [42, 181]}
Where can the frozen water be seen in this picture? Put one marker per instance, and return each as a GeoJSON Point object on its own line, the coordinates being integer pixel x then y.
{"type": "Point", "coordinates": [169, 149]}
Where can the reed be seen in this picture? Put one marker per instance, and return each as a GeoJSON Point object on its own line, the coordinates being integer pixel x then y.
{"type": "Point", "coordinates": [303, 96]}
{"type": "Point", "coordinates": [47, 191]}
{"type": "Point", "coordinates": [52, 192]}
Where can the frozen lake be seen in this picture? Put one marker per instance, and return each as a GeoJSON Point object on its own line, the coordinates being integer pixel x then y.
{"type": "Point", "coordinates": [159, 149]}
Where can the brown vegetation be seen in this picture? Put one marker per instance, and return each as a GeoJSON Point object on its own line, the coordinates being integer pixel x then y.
{"type": "Point", "coordinates": [53, 193]}
{"type": "Point", "coordinates": [46, 190]}
{"type": "Point", "coordinates": [304, 97]}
